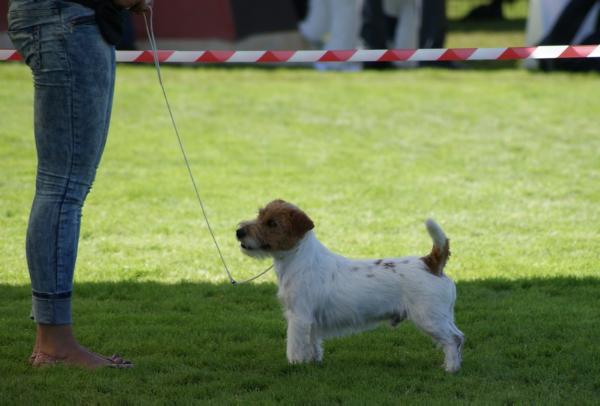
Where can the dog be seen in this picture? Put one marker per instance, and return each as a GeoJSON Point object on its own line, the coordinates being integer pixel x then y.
{"type": "Point", "coordinates": [327, 295]}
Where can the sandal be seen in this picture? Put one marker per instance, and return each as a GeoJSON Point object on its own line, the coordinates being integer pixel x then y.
{"type": "Point", "coordinates": [117, 362]}
{"type": "Point", "coordinates": [42, 360]}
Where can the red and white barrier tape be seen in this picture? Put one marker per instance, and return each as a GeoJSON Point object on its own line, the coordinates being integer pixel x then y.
{"type": "Point", "coordinates": [371, 55]}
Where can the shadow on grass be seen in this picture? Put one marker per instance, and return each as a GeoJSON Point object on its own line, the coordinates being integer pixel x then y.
{"type": "Point", "coordinates": [527, 340]}
{"type": "Point", "coordinates": [514, 24]}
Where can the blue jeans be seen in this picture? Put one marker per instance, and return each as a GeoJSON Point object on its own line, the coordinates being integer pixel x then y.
{"type": "Point", "coordinates": [73, 73]}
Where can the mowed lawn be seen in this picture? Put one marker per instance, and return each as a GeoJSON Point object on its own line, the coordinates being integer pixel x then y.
{"type": "Point", "coordinates": [507, 161]}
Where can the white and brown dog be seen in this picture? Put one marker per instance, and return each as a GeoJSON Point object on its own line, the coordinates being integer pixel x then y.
{"type": "Point", "coordinates": [327, 295]}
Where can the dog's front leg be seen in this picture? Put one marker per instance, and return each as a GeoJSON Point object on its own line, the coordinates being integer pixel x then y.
{"type": "Point", "coordinates": [299, 345]}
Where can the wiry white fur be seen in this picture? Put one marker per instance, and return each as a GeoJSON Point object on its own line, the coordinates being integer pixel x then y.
{"type": "Point", "coordinates": [327, 295]}
{"type": "Point", "coordinates": [436, 233]}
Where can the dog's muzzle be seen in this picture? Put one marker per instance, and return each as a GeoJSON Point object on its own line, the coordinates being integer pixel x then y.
{"type": "Point", "coordinates": [241, 234]}
{"type": "Point", "coordinates": [248, 243]}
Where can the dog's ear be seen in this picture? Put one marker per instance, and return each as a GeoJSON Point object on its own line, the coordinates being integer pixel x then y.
{"type": "Point", "coordinates": [301, 223]}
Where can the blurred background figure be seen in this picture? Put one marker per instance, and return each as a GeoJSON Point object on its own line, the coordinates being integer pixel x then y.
{"type": "Point", "coordinates": [404, 24]}
{"type": "Point", "coordinates": [564, 22]}
{"type": "Point", "coordinates": [408, 25]}
{"type": "Point", "coordinates": [377, 30]}
{"type": "Point", "coordinates": [301, 8]}
{"type": "Point", "coordinates": [434, 24]}
{"type": "Point", "coordinates": [570, 21]}
{"type": "Point", "coordinates": [332, 24]}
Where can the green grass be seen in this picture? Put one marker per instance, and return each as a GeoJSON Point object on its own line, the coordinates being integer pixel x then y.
{"type": "Point", "coordinates": [507, 161]}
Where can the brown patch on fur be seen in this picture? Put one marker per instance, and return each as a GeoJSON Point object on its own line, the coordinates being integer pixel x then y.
{"type": "Point", "coordinates": [279, 226]}
{"type": "Point", "coordinates": [437, 258]}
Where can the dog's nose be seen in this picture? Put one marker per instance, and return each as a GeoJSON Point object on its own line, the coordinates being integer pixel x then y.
{"type": "Point", "coordinates": [240, 233]}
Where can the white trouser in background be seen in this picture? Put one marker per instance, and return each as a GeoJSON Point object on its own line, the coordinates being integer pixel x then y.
{"type": "Point", "coordinates": [338, 18]}
{"type": "Point", "coordinates": [408, 13]}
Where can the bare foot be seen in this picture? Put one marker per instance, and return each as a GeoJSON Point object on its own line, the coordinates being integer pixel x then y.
{"type": "Point", "coordinates": [35, 351]}
{"type": "Point", "coordinates": [81, 358]}
{"type": "Point", "coordinates": [57, 345]}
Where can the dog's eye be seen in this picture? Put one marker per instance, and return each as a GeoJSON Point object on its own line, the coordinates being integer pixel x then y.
{"type": "Point", "coordinates": [271, 223]}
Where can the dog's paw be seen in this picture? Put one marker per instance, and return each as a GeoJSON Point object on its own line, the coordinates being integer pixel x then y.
{"type": "Point", "coordinates": [452, 364]}
{"type": "Point", "coordinates": [303, 359]}
{"type": "Point", "coordinates": [452, 369]}
{"type": "Point", "coordinates": [298, 361]}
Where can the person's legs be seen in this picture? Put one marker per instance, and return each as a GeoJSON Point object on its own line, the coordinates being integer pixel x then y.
{"type": "Point", "coordinates": [373, 27]}
{"type": "Point", "coordinates": [569, 22]}
{"type": "Point", "coordinates": [564, 31]}
{"type": "Point", "coordinates": [433, 24]}
{"type": "Point", "coordinates": [408, 26]}
{"type": "Point", "coordinates": [344, 28]}
{"type": "Point", "coordinates": [73, 70]}
{"type": "Point", "coordinates": [344, 23]}
{"type": "Point", "coordinates": [376, 29]}
{"type": "Point", "coordinates": [72, 94]}
{"type": "Point", "coordinates": [316, 24]}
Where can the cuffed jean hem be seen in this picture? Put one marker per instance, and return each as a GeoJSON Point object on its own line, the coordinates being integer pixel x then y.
{"type": "Point", "coordinates": [51, 311]}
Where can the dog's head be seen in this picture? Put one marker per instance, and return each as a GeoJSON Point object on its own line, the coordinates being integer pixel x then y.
{"type": "Point", "coordinates": [278, 227]}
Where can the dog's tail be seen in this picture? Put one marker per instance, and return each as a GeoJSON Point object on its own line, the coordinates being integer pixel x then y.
{"type": "Point", "coordinates": [437, 258]}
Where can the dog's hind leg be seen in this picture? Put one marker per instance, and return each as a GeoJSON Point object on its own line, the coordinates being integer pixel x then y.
{"type": "Point", "coordinates": [459, 340]}
{"type": "Point", "coordinates": [444, 332]}
{"type": "Point", "coordinates": [452, 346]}
{"type": "Point", "coordinates": [453, 341]}
{"type": "Point", "coordinates": [317, 344]}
